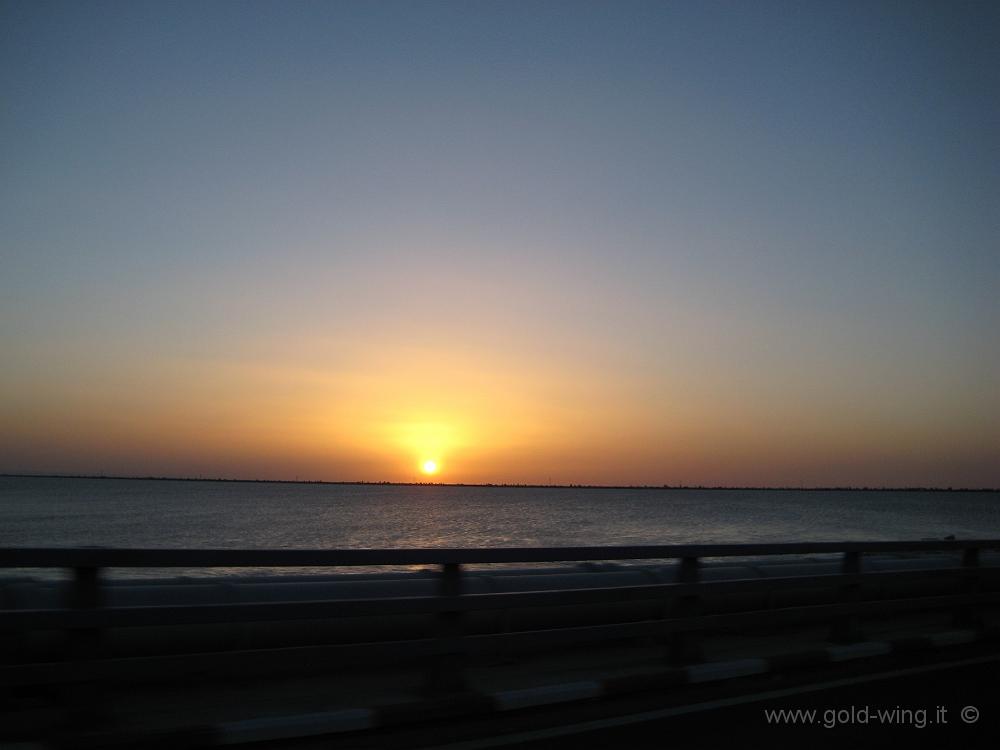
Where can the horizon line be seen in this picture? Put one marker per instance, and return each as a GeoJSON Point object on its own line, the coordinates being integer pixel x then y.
{"type": "Point", "coordinates": [530, 485]}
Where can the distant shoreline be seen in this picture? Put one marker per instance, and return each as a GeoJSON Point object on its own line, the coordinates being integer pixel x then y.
{"type": "Point", "coordinates": [503, 484]}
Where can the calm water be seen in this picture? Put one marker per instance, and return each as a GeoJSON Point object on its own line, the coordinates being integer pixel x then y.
{"type": "Point", "coordinates": [142, 513]}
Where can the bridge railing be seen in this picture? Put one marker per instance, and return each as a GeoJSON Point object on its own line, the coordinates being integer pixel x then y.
{"type": "Point", "coordinates": [681, 625]}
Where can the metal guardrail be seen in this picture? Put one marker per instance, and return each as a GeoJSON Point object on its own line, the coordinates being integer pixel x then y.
{"type": "Point", "coordinates": [97, 557]}
{"type": "Point", "coordinates": [681, 624]}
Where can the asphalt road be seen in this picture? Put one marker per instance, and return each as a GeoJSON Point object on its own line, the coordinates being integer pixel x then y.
{"type": "Point", "coordinates": [948, 700]}
{"type": "Point", "coordinates": [904, 704]}
{"type": "Point", "coordinates": [955, 708]}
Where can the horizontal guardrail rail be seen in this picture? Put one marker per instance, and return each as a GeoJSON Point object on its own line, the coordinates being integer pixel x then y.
{"type": "Point", "coordinates": [194, 614]}
{"type": "Point", "coordinates": [74, 557]}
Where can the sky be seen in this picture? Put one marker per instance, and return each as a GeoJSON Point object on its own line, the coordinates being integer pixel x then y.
{"type": "Point", "coordinates": [545, 242]}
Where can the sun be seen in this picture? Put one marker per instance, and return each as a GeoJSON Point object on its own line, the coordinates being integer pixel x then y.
{"type": "Point", "coordinates": [429, 466]}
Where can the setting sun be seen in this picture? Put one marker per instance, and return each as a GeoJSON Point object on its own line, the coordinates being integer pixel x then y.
{"type": "Point", "coordinates": [429, 467]}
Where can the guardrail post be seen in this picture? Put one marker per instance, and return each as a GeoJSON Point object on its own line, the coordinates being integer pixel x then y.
{"type": "Point", "coordinates": [846, 627]}
{"type": "Point", "coordinates": [447, 673]}
{"type": "Point", "coordinates": [686, 646]}
{"type": "Point", "coordinates": [967, 616]}
{"type": "Point", "coordinates": [84, 707]}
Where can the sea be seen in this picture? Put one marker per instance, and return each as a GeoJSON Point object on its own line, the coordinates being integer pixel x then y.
{"type": "Point", "coordinates": [105, 512]}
